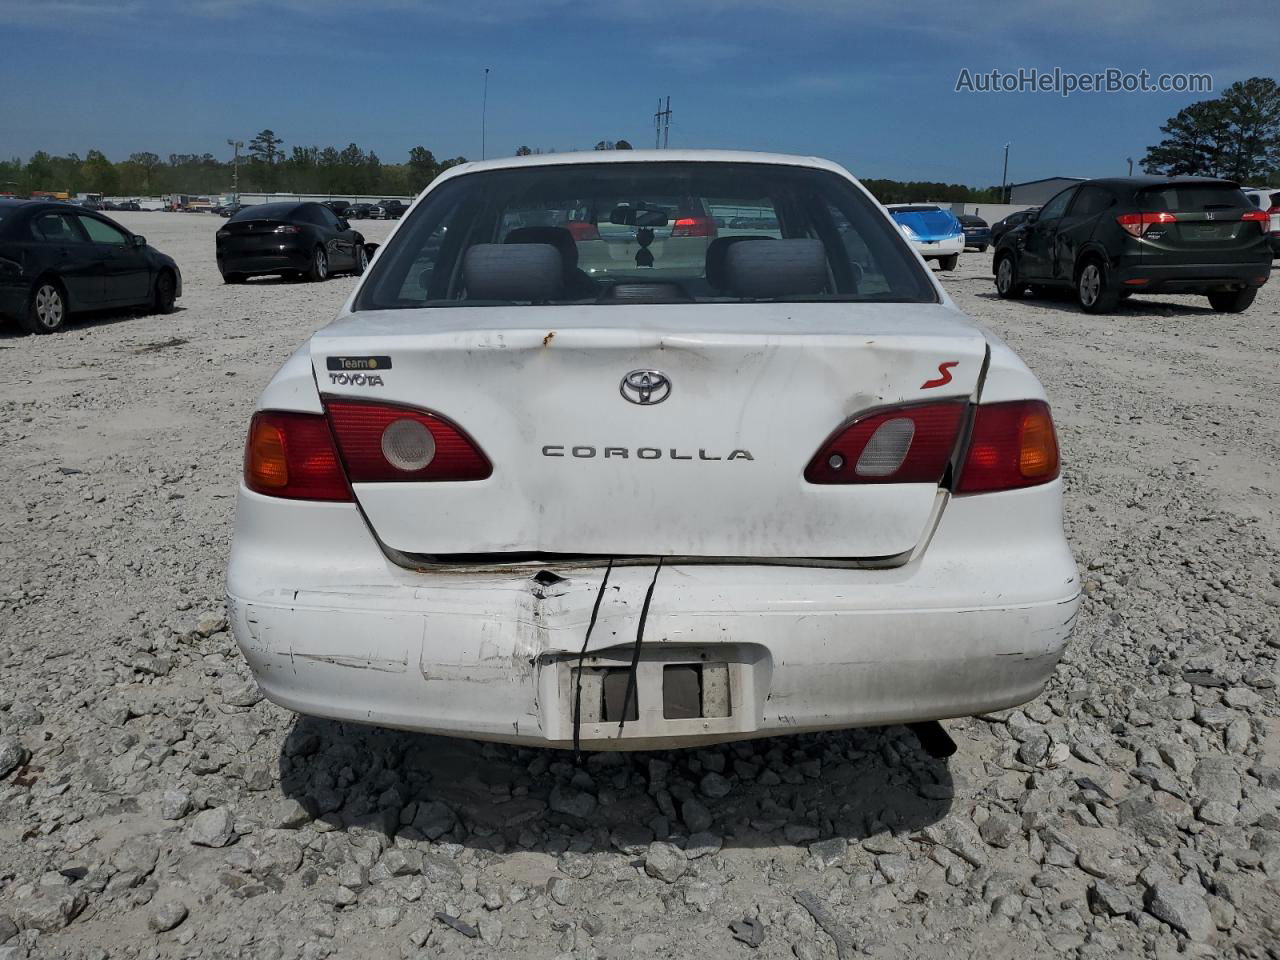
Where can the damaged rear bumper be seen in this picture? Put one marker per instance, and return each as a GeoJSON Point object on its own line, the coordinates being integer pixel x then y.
{"type": "Point", "coordinates": [330, 627]}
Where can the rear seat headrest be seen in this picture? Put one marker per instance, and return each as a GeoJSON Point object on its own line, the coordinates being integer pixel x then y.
{"type": "Point", "coordinates": [781, 268]}
{"type": "Point", "coordinates": [716, 251]}
{"type": "Point", "coordinates": [513, 271]}
{"type": "Point", "coordinates": [558, 237]}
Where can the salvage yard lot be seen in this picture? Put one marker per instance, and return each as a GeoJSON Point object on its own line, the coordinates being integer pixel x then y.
{"type": "Point", "coordinates": [158, 777]}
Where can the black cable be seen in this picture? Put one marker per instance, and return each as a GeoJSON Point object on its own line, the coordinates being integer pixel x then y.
{"type": "Point", "coordinates": [577, 690]}
{"type": "Point", "coordinates": [635, 656]}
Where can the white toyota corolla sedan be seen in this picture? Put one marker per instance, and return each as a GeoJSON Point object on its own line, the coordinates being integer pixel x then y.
{"type": "Point", "coordinates": [781, 485]}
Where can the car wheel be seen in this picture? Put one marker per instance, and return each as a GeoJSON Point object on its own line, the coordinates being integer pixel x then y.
{"type": "Point", "coordinates": [1095, 290]}
{"type": "Point", "coordinates": [948, 263]}
{"type": "Point", "coordinates": [166, 292]}
{"type": "Point", "coordinates": [1008, 286]}
{"type": "Point", "coordinates": [1233, 301]}
{"type": "Point", "coordinates": [982, 248]}
{"type": "Point", "coordinates": [362, 257]}
{"type": "Point", "coordinates": [48, 308]}
{"type": "Point", "coordinates": [319, 266]}
{"type": "Point", "coordinates": [233, 278]}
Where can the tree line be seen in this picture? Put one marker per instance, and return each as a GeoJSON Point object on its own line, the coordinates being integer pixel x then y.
{"type": "Point", "coordinates": [265, 167]}
{"type": "Point", "coordinates": [1235, 135]}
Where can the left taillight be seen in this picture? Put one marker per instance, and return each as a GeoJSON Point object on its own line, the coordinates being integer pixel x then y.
{"type": "Point", "coordinates": [292, 455]}
{"type": "Point", "coordinates": [387, 443]}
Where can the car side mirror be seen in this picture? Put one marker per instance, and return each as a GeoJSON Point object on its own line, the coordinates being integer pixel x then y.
{"type": "Point", "coordinates": [371, 248]}
{"type": "Point", "coordinates": [343, 224]}
{"type": "Point", "coordinates": [1033, 216]}
{"type": "Point", "coordinates": [138, 241]}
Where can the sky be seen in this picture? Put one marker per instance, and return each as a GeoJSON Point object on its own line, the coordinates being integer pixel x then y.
{"type": "Point", "coordinates": [870, 85]}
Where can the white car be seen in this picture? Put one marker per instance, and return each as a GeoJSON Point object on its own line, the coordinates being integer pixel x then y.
{"type": "Point", "coordinates": [933, 231]}
{"type": "Point", "coordinates": [792, 488]}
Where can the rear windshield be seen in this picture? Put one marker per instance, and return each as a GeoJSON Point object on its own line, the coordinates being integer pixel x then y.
{"type": "Point", "coordinates": [266, 211]}
{"type": "Point", "coordinates": [1192, 198]}
{"type": "Point", "coordinates": [918, 208]}
{"type": "Point", "coordinates": [623, 227]}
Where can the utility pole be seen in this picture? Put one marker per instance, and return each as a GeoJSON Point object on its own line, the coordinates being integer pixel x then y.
{"type": "Point", "coordinates": [662, 125]}
{"type": "Point", "coordinates": [1130, 159]}
{"type": "Point", "coordinates": [1004, 177]}
{"type": "Point", "coordinates": [484, 109]}
{"type": "Point", "coordinates": [235, 145]}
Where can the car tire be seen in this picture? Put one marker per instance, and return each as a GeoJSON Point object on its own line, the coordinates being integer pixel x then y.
{"type": "Point", "coordinates": [47, 310]}
{"type": "Point", "coordinates": [318, 272]}
{"type": "Point", "coordinates": [1008, 285]}
{"type": "Point", "coordinates": [949, 263]}
{"type": "Point", "coordinates": [982, 248]}
{"type": "Point", "coordinates": [234, 277]}
{"type": "Point", "coordinates": [1233, 301]}
{"type": "Point", "coordinates": [362, 258]}
{"type": "Point", "coordinates": [1096, 291]}
{"type": "Point", "coordinates": [166, 295]}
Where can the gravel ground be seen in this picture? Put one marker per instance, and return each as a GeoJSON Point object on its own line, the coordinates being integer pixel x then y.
{"type": "Point", "coordinates": [152, 805]}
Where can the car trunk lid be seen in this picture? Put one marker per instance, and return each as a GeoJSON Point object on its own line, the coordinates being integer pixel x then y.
{"type": "Point", "coordinates": [712, 468]}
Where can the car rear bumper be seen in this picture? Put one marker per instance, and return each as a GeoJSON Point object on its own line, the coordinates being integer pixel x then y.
{"type": "Point", "coordinates": [330, 627]}
{"type": "Point", "coordinates": [14, 298]}
{"type": "Point", "coordinates": [264, 261]}
{"type": "Point", "coordinates": [940, 248]}
{"type": "Point", "coordinates": [1190, 278]}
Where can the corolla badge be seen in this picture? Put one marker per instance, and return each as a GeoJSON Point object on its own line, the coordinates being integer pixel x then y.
{"type": "Point", "coordinates": [645, 387]}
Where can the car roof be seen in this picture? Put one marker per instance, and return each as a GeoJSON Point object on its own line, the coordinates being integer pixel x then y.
{"type": "Point", "coordinates": [1154, 181]}
{"type": "Point", "coordinates": [639, 156]}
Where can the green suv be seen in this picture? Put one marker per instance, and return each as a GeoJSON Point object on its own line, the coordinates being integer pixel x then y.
{"type": "Point", "coordinates": [1110, 238]}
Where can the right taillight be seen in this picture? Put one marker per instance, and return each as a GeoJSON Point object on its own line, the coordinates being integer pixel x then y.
{"type": "Point", "coordinates": [906, 444]}
{"type": "Point", "coordinates": [292, 455]}
{"type": "Point", "coordinates": [1011, 445]}
{"type": "Point", "coordinates": [386, 443]}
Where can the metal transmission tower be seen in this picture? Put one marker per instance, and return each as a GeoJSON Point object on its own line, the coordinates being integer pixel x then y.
{"type": "Point", "coordinates": [662, 125]}
{"type": "Point", "coordinates": [235, 145]}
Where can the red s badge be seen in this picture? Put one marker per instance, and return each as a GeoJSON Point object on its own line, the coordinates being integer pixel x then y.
{"type": "Point", "coordinates": [945, 370]}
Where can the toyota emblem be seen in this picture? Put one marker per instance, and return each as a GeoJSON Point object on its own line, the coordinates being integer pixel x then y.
{"type": "Point", "coordinates": [645, 387]}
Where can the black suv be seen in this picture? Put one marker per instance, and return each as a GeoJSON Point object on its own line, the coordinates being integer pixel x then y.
{"type": "Point", "coordinates": [1111, 238]}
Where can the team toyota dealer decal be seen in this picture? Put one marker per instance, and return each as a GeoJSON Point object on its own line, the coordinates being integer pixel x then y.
{"type": "Point", "coordinates": [356, 371]}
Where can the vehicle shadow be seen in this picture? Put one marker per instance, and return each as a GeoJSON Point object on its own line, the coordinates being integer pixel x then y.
{"type": "Point", "coordinates": [10, 329]}
{"type": "Point", "coordinates": [790, 790]}
{"type": "Point", "coordinates": [1063, 301]}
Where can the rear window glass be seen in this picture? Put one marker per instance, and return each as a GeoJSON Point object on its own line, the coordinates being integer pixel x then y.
{"type": "Point", "coordinates": [621, 226]}
{"type": "Point", "coordinates": [266, 211]}
{"type": "Point", "coordinates": [1191, 198]}
{"type": "Point", "coordinates": [918, 208]}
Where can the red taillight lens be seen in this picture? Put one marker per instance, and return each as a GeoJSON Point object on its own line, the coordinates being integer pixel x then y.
{"type": "Point", "coordinates": [381, 443]}
{"type": "Point", "coordinates": [911, 444]}
{"type": "Point", "coordinates": [1012, 445]}
{"type": "Point", "coordinates": [582, 230]}
{"type": "Point", "coordinates": [694, 227]}
{"type": "Point", "coordinates": [1257, 216]}
{"type": "Point", "coordinates": [1137, 223]}
{"type": "Point", "coordinates": [292, 455]}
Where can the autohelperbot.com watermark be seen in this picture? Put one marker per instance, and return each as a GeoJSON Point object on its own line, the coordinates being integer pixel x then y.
{"type": "Point", "coordinates": [1065, 82]}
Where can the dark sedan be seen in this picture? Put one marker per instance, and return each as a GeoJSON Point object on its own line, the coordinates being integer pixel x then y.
{"type": "Point", "coordinates": [976, 232]}
{"type": "Point", "coordinates": [1001, 227]}
{"type": "Point", "coordinates": [290, 239]}
{"type": "Point", "coordinates": [339, 207]}
{"type": "Point", "coordinates": [358, 211]}
{"type": "Point", "coordinates": [56, 259]}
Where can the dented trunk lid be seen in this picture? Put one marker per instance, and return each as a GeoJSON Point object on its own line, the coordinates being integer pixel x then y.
{"type": "Point", "coordinates": [715, 469]}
